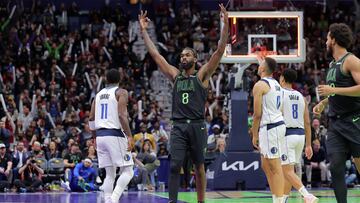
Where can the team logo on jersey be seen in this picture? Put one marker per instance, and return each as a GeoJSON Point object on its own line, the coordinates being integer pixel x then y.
{"type": "Point", "coordinates": [284, 157]}
{"type": "Point", "coordinates": [127, 157]}
{"type": "Point", "coordinates": [274, 150]}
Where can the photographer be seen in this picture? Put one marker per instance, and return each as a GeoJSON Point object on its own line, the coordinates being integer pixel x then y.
{"type": "Point", "coordinates": [30, 176]}
{"type": "Point", "coordinates": [5, 168]}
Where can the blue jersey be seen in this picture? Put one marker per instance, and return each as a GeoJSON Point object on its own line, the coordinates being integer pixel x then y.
{"type": "Point", "coordinates": [88, 174]}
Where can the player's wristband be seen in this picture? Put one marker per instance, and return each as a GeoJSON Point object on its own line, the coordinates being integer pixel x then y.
{"type": "Point", "coordinates": [92, 125]}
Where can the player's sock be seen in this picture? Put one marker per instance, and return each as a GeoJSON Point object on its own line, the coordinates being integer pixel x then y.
{"type": "Point", "coordinates": [303, 191]}
{"type": "Point", "coordinates": [125, 176]}
{"type": "Point", "coordinates": [108, 184]}
{"type": "Point", "coordinates": [285, 199]}
{"type": "Point", "coordinates": [337, 168]}
{"type": "Point", "coordinates": [174, 179]}
{"type": "Point", "coordinates": [277, 199]}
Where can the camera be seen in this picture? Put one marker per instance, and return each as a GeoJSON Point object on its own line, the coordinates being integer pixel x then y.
{"type": "Point", "coordinates": [33, 161]}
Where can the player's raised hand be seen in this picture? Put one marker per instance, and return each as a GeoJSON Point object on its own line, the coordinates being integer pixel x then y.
{"type": "Point", "coordinates": [143, 20]}
{"type": "Point", "coordinates": [260, 57]}
{"type": "Point", "coordinates": [224, 14]}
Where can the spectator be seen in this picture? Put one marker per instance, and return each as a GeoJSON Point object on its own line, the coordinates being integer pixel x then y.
{"type": "Point", "coordinates": [20, 156]}
{"type": "Point", "coordinates": [85, 134]}
{"type": "Point", "coordinates": [140, 138]}
{"type": "Point", "coordinates": [5, 168]}
{"type": "Point", "coordinates": [220, 145]}
{"type": "Point", "coordinates": [4, 133]}
{"type": "Point", "coordinates": [148, 157]}
{"type": "Point", "coordinates": [317, 161]}
{"type": "Point", "coordinates": [59, 132]}
{"type": "Point", "coordinates": [30, 176]}
{"type": "Point", "coordinates": [91, 153]}
{"type": "Point", "coordinates": [141, 175]}
{"type": "Point", "coordinates": [36, 151]}
{"type": "Point", "coordinates": [213, 138]}
{"type": "Point", "coordinates": [163, 152]}
{"type": "Point", "coordinates": [52, 151]}
{"type": "Point", "coordinates": [318, 131]}
{"type": "Point", "coordinates": [70, 160]}
{"type": "Point", "coordinates": [82, 179]}
{"type": "Point", "coordinates": [159, 133]}
{"type": "Point", "coordinates": [350, 176]}
{"type": "Point", "coordinates": [68, 148]}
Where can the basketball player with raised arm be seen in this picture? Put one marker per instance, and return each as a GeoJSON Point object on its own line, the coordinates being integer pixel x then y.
{"type": "Point", "coordinates": [297, 121]}
{"type": "Point", "coordinates": [188, 105]}
{"type": "Point", "coordinates": [109, 117]}
{"type": "Point", "coordinates": [343, 98]}
{"type": "Point", "coordinates": [268, 126]}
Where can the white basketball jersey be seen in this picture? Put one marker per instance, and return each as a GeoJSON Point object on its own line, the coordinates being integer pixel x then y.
{"type": "Point", "coordinates": [271, 103]}
{"type": "Point", "coordinates": [294, 107]}
{"type": "Point", "coordinates": [106, 109]}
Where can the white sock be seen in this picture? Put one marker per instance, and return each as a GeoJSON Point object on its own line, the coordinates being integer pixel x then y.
{"type": "Point", "coordinates": [303, 191]}
{"type": "Point", "coordinates": [277, 199]}
{"type": "Point", "coordinates": [285, 198]}
{"type": "Point", "coordinates": [125, 176]}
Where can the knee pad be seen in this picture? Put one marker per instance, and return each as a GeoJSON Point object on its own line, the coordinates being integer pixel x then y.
{"type": "Point", "coordinates": [175, 166]}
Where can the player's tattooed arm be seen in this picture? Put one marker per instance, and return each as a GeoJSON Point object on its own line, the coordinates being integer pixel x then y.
{"type": "Point", "coordinates": [209, 68]}
{"type": "Point", "coordinates": [351, 67]}
{"type": "Point", "coordinates": [319, 108]}
{"type": "Point", "coordinates": [170, 71]}
{"type": "Point", "coordinates": [308, 148]}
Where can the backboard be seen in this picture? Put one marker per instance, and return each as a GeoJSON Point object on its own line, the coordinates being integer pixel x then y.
{"type": "Point", "coordinates": [275, 34]}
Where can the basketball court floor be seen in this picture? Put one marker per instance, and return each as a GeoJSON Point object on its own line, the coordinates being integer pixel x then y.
{"type": "Point", "coordinates": [326, 196]}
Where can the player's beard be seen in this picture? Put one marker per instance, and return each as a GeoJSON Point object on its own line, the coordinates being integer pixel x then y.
{"type": "Point", "coordinates": [187, 65]}
{"type": "Point", "coordinates": [329, 51]}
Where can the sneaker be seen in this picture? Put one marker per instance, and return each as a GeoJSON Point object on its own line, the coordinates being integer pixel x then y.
{"type": "Point", "coordinates": [98, 180]}
{"type": "Point", "coordinates": [140, 187]}
{"type": "Point", "coordinates": [66, 186]}
{"type": "Point", "coordinates": [22, 190]}
{"type": "Point", "coordinates": [311, 199]}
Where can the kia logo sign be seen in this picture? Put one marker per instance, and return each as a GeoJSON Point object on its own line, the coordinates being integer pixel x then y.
{"type": "Point", "coordinates": [240, 166]}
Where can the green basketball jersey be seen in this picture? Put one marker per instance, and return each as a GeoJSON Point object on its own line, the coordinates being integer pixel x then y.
{"type": "Point", "coordinates": [189, 97]}
{"type": "Point", "coordinates": [339, 105]}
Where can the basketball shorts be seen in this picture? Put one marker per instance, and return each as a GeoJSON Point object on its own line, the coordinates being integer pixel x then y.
{"type": "Point", "coordinates": [271, 138]}
{"type": "Point", "coordinates": [112, 151]}
{"type": "Point", "coordinates": [343, 135]}
{"type": "Point", "coordinates": [188, 137]}
{"type": "Point", "coordinates": [293, 147]}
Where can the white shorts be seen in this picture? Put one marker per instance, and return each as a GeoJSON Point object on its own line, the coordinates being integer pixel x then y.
{"type": "Point", "coordinates": [271, 140]}
{"type": "Point", "coordinates": [292, 149]}
{"type": "Point", "coordinates": [112, 151]}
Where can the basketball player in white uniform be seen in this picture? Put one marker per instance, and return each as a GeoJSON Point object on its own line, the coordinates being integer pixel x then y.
{"type": "Point", "coordinates": [297, 121]}
{"type": "Point", "coordinates": [269, 127]}
{"type": "Point", "coordinates": [109, 117]}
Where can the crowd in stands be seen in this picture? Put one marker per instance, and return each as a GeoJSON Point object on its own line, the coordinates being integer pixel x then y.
{"type": "Point", "coordinates": [51, 70]}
